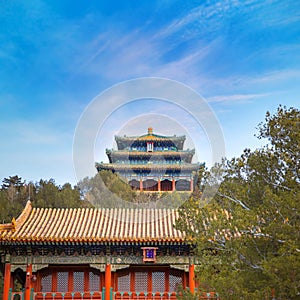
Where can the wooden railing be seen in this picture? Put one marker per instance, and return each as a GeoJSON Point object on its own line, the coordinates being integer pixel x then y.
{"type": "Point", "coordinates": [68, 296]}
{"type": "Point", "coordinates": [144, 296]}
{"type": "Point", "coordinates": [159, 296]}
{"type": "Point", "coordinates": [99, 295]}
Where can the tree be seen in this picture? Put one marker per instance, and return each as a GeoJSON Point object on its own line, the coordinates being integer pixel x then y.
{"type": "Point", "coordinates": [248, 238]}
{"type": "Point", "coordinates": [14, 188]}
{"type": "Point", "coordinates": [106, 190]}
{"type": "Point", "coordinates": [48, 194]}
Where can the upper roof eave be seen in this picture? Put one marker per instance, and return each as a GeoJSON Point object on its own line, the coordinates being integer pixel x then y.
{"type": "Point", "coordinates": [148, 137]}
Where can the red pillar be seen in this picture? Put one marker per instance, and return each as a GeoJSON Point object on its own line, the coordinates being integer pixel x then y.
{"type": "Point", "coordinates": [107, 281]}
{"type": "Point", "coordinates": [141, 185]}
{"type": "Point", "coordinates": [28, 281]}
{"type": "Point", "coordinates": [158, 185]}
{"type": "Point", "coordinates": [173, 184]}
{"type": "Point", "coordinates": [7, 277]}
{"type": "Point", "coordinates": [192, 278]}
{"type": "Point", "coordinates": [192, 185]}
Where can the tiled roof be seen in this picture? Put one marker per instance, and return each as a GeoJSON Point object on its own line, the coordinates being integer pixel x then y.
{"type": "Point", "coordinates": [164, 167]}
{"type": "Point", "coordinates": [92, 225]}
{"type": "Point", "coordinates": [154, 153]}
{"type": "Point", "coordinates": [151, 137]}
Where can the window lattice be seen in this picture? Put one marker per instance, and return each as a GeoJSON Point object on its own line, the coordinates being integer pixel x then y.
{"type": "Point", "coordinates": [62, 281]}
{"type": "Point", "coordinates": [158, 282]}
{"type": "Point", "coordinates": [78, 281]}
{"type": "Point", "coordinates": [94, 279]}
{"type": "Point", "coordinates": [141, 281]}
{"type": "Point", "coordinates": [46, 282]}
{"type": "Point", "coordinates": [175, 280]}
{"type": "Point", "coordinates": [124, 282]}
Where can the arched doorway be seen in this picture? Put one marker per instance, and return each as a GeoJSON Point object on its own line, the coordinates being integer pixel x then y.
{"type": "Point", "coordinates": [183, 185]}
{"type": "Point", "coordinates": [135, 185]}
{"type": "Point", "coordinates": [150, 185]}
{"type": "Point", "coordinates": [166, 185]}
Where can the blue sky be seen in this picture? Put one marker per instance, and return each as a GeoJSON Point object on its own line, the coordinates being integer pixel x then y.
{"type": "Point", "coordinates": [243, 57]}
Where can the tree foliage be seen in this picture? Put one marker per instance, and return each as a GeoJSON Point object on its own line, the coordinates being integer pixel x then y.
{"type": "Point", "coordinates": [108, 190]}
{"type": "Point", "coordinates": [14, 194]}
{"type": "Point", "coordinates": [248, 237]}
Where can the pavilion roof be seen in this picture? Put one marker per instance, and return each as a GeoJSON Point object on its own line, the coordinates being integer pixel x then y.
{"type": "Point", "coordinates": [151, 137]}
{"type": "Point", "coordinates": [179, 153]}
{"type": "Point", "coordinates": [127, 141]}
{"type": "Point", "coordinates": [88, 225]}
{"type": "Point", "coordinates": [158, 167]}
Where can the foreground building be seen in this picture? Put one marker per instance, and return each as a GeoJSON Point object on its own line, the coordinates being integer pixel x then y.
{"type": "Point", "coordinates": [153, 162]}
{"type": "Point", "coordinates": [89, 253]}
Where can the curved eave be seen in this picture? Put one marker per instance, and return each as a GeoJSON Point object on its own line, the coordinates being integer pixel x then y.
{"type": "Point", "coordinates": [125, 142]}
{"type": "Point", "coordinates": [149, 137]}
{"type": "Point", "coordinates": [88, 240]}
{"type": "Point", "coordinates": [7, 229]}
{"type": "Point", "coordinates": [136, 167]}
{"type": "Point", "coordinates": [153, 153]}
{"type": "Point", "coordinates": [185, 155]}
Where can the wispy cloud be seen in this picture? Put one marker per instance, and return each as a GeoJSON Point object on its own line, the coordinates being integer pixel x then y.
{"type": "Point", "coordinates": [235, 98]}
{"type": "Point", "coordinates": [275, 76]}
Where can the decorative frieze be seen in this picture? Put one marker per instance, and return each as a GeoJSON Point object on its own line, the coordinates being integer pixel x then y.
{"type": "Point", "coordinates": [19, 260]}
{"type": "Point", "coordinates": [118, 267]}
{"type": "Point", "coordinates": [184, 268]}
{"type": "Point", "coordinates": [100, 267]}
{"type": "Point", "coordinates": [18, 266]}
{"type": "Point", "coordinates": [98, 262]}
{"type": "Point", "coordinates": [37, 267]}
{"type": "Point", "coordinates": [80, 259]}
{"type": "Point", "coordinates": [136, 260]}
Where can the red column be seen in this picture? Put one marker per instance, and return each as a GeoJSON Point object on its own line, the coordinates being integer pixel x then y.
{"type": "Point", "coordinates": [28, 282]}
{"type": "Point", "coordinates": [107, 281]}
{"type": "Point", "coordinates": [7, 277]}
{"type": "Point", "coordinates": [173, 184]}
{"type": "Point", "coordinates": [192, 185]}
{"type": "Point", "coordinates": [158, 185]}
{"type": "Point", "coordinates": [141, 185]}
{"type": "Point", "coordinates": [192, 278]}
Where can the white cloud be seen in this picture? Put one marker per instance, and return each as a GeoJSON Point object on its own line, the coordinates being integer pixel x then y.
{"type": "Point", "coordinates": [235, 98]}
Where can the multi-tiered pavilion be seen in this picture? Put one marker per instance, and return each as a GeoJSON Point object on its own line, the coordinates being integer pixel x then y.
{"type": "Point", "coordinates": [153, 162]}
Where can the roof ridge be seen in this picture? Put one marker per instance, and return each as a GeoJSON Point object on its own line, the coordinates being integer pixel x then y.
{"type": "Point", "coordinates": [96, 208]}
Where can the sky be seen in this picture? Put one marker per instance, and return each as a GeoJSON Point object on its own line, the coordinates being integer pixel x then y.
{"type": "Point", "coordinates": [56, 57]}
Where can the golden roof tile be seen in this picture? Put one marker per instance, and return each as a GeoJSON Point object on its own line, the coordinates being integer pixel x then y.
{"type": "Point", "coordinates": [92, 225]}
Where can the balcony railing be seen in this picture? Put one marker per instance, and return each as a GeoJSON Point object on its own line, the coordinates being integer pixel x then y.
{"type": "Point", "coordinates": [100, 295]}
{"type": "Point", "coordinates": [144, 296]}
